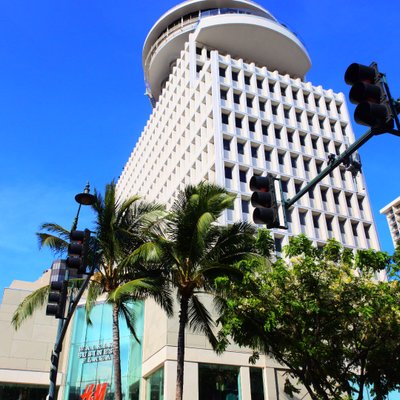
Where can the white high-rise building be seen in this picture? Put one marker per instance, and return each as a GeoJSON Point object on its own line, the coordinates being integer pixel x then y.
{"type": "Point", "coordinates": [230, 100]}
{"type": "Point", "coordinates": [392, 212]}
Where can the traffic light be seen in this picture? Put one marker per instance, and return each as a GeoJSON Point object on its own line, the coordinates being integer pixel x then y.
{"type": "Point", "coordinates": [57, 299]}
{"type": "Point", "coordinates": [369, 92]}
{"type": "Point", "coordinates": [78, 250]}
{"type": "Point", "coordinates": [264, 201]}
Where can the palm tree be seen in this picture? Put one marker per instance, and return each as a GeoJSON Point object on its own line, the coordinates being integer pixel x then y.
{"type": "Point", "coordinates": [121, 228]}
{"type": "Point", "coordinates": [198, 250]}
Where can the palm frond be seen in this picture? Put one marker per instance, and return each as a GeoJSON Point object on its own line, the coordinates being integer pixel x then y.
{"type": "Point", "coordinates": [95, 289]}
{"type": "Point", "coordinates": [134, 289]}
{"type": "Point", "coordinates": [200, 320]}
{"type": "Point", "coordinates": [29, 305]}
{"type": "Point", "coordinates": [55, 237]}
{"type": "Point", "coordinates": [130, 318]}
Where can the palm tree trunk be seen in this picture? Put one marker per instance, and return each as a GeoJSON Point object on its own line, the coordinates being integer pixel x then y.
{"type": "Point", "coordinates": [183, 315]}
{"type": "Point", "coordinates": [116, 354]}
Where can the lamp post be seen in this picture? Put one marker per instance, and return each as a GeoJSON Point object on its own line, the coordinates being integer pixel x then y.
{"type": "Point", "coordinates": [83, 199]}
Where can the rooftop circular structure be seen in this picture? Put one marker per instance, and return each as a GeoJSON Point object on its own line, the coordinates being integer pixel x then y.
{"type": "Point", "coordinates": [241, 28]}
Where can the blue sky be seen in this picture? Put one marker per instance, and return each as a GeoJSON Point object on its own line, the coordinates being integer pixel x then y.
{"type": "Point", "coordinates": [72, 102]}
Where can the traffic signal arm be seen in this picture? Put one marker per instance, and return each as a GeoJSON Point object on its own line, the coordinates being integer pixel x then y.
{"type": "Point", "coordinates": [331, 166]}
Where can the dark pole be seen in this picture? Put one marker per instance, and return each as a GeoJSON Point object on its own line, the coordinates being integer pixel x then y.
{"type": "Point", "coordinates": [85, 199]}
{"type": "Point", "coordinates": [336, 162]}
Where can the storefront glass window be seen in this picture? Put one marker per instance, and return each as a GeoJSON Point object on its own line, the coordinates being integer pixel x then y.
{"type": "Point", "coordinates": [90, 365]}
{"type": "Point", "coordinates": [256, 384]}
{"type": "Point", "coordinates": [219, 382]}
{"type": "Point", "coordinates": [155, 385]}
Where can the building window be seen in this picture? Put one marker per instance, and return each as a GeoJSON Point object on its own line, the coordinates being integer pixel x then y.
{"type": "Point", "coordinates": [328, 106]}
{"type": "Point", "coordinates": [225, 118]}
{"type": "Point", "coordinates": [321, 123]}
{"type": "Point", "coordinates": [329, 227]}
{"type": "Point", "coordinates": [295, 94]}
{"type": "Point", "coordinates": [302, 218]}
{"type": "Point", "coordinates": [297, 187]}
{"type": "Point", "coordinates": [326, 147]}
{"type": "Point", "coordinates": [254, 152]}
{"type": "Point", "coordinates": [262, 105]}
{"type": "Point", "coordinates": [293, 160]}
{"type": "Point", "coordinates": [286, 112]}
{"type": "Point", "coordinates": [290, 137]}
{"type": "Point", "coordinates": [324, 195]}
{"type": "Point", "coordinates": [256, 383]}
{"type": "Point", "coordinates": [302, 140]}
{"type": "Point", "coordinates": [252, 126]}
{"type": "Point", "coordinates": [247, 80]}
{"type": "Point", "coordinates": [228, 172]}
{"type": "Point", "coordinates": [354, 229]}
{"type": "Point", "coordinates": [274, 109]}
{"type": "Point", "coordinates": [198, 68]}
{"type": "Point", "coordinates": [318, 166]}
{"type": "Point", "coordinates": [198, 51]}
{"type": "Point", "coordinates": [310, 120]}
{"type": "Point", "coordinates": [277, 133]}
{"type": "Point", "coordinates": [155, 385]}
{"type": "Point", "coordinates": [236, 98]}
{"type": "Point", "coordinates": [281, 158]}
{"type": "Point", "coordinates": [249, 102]}
{"type": "Point", "coordinates": [245, 206]}
{"type": "Point", "coordinates": [222, 72]}
{"type": "Point", "coordinates": [267, 154]}
{"type": "Point", "coordinates": [264, 129]}
{"type": "Point", "coordinates": [242, 176]}
{"type": "Point", "coordinates": [316, 221]}
{"type": "Point", "coordinates": [314, 143]}
{"type": "Point", "coordinates": [218, 382]}
{"type": "Point", "coordinates": [278, 244]}
{"type": "Point", "coordinates": [238, 122]}
{"type": "Point", "coordinates": [336, 198]}
{"type": "Point", "coordinates": [366, 232]}
{"type": "Point", "coordinates": [235, 76]}
{"type": "Point", "coordinates": [224, 94]}
{"type": "Point", "coordinates": [227, 144]}
{"type": "Point", "coordinates": [259, 83]}
{"type": "Point", "coordinates": [285, 186]}
{"type": "Point", "coordinates": [240, 148]}
{"type": "Point", "coordinates": [271, 87]}
{"type": "Point", "coordinates": [307, 165]}
{"type": "Point", "coordinates": [306, 97]}
{"type": "Point", "coordinates": [317, 99]}
{"type": "Point", "coordinates": [283, 91]}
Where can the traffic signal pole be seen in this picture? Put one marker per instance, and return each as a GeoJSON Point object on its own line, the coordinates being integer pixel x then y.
{"type": "Point", "coordinates": [63, 326]}
{"type": "Point", "coordinates": [84, 198]}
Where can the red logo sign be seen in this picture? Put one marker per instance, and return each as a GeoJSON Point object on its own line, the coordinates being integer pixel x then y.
{"type": "Point", "coordinates": [94, 392]}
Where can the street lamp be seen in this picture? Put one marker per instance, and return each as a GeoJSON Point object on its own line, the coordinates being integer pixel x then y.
{"type": "Point", "coordinates": [83, 199]}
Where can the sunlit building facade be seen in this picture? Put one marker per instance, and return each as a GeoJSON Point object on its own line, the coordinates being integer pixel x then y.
{"type": "Point", "coordinates": [230, 100]}
{"type": "Point", "coordinates": [392, 213]}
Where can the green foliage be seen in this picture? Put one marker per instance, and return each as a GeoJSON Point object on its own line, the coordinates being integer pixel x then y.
{"type": "Point", "coordinates": [322, 314]}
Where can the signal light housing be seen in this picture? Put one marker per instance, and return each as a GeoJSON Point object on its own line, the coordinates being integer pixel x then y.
{"type": "Point", "coordinates": [369, 92]}
{"type": "Point", "coordinates": [57, 299]}
{"type": "Point", "coordinates": [78, 250]}
{"type": "Point", "coordinates": [264, 201]}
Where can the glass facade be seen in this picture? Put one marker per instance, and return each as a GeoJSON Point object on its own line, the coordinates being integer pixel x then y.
{"type": "Point", "coordinates": [219, 382]}
{"type": "Point", "coordinates": [91, 353]}
{"type": "Point", "coordinates": [155, 385]}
